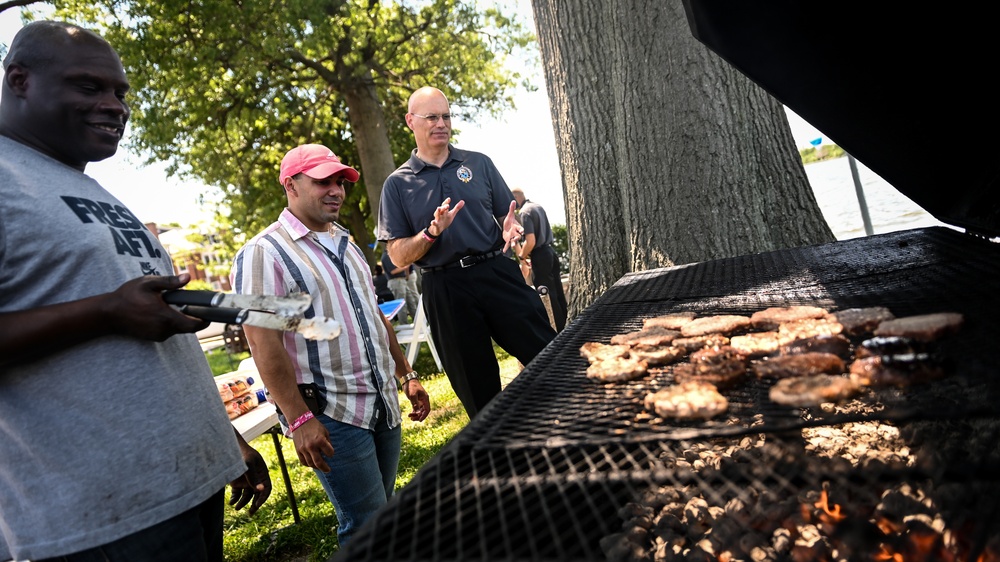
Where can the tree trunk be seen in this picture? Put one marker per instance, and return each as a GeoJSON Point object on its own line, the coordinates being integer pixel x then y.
{"type": "Point", "coordinates": [669, 155]}
{"type": "Point", "coordinates": [372, 138]}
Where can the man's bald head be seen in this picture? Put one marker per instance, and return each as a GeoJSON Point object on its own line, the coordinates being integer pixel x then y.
{"type": "Point", "coordinates": [64, 93]}
{"type": "Point", "coordinates": [422, 94]}
{"type": "Point", "coordinates": [518, 194]}
{"type": "Point", "coordinates": [41, 42]}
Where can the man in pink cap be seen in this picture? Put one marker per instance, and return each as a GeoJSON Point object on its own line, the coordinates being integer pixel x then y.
{"type": "Point", "coordinates": [338, 399]}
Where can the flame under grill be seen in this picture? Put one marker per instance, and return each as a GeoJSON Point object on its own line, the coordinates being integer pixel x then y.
{"type": "Point", "coordinates": [560, 467]}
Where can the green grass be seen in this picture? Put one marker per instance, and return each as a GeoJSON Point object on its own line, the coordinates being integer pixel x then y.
{"type": "Point", "coordinates": [272, 535]}
{"type": "Point", "coordinates": [222, 362]}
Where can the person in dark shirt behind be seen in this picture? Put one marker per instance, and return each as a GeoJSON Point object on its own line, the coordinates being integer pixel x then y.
{"type": "Point", "coordinates": [382, 285]}
{"type": "Point", "coordinates": [537, 248]}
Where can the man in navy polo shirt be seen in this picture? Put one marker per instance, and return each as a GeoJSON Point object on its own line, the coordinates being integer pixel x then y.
{"type": "Point", "coordinates": [450, 212]}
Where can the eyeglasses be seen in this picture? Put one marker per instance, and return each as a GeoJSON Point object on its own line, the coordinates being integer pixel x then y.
{"type": "Point", "coordinates": [433, 119]}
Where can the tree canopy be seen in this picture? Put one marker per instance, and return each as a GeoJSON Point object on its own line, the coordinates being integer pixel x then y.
{"type": "Point", "coordinates": [223, 89]}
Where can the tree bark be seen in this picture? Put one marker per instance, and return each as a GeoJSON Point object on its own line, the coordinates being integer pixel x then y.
{"type": "Point", "coordinates": [668, 154]}
{"type": "Point", "coordinates": [372, 139]}
{"type": "Point", "coordinates": [371, 136]}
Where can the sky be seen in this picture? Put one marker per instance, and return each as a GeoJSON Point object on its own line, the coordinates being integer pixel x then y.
{"type": "Point", "coordinates": [521, 144]}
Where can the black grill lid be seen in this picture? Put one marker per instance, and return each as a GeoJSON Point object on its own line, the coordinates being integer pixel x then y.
{"type": "Point", "coordinates": [905, 88]}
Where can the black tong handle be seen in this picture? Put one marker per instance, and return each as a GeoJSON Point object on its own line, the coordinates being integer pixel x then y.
{"type": "Point", "coordinates": [195, 297]}
{"type": "Point", "coordinates": [216, 313]}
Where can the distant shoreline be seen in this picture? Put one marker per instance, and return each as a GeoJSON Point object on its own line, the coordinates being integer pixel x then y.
{"type": "Point", "coordinates": [818, 154]}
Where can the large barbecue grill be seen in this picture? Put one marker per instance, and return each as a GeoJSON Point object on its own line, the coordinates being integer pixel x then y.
{"type": "Point", "coordinates": [549, 469]}
{"type": "Point", "coordinates": [561, 467]}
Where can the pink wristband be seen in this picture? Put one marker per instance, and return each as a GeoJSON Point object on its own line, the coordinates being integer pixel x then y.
{"type": "Point", "coordinates": [299, 421]}
{"type": "Point", "coordinates": [428, 236]}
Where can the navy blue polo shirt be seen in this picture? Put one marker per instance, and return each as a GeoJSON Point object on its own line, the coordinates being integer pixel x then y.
{"type": "Point", "coordinates": [412, 193]}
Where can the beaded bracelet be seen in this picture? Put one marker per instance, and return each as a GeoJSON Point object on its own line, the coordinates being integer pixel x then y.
{"type": "Point", "coordinates": [299, 421]}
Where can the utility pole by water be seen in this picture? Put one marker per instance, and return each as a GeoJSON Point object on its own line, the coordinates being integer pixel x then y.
{"type": "Point", "coordinates": [861, 195]}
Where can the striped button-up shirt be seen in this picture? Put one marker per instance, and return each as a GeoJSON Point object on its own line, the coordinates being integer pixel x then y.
{"type": "Point", "coordinates": [355, 370]}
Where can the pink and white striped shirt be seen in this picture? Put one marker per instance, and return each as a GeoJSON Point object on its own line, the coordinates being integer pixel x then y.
{"type": "Point", "coordinates": [355, 371]}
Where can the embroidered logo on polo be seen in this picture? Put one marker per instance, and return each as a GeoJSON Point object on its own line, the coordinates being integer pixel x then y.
{"type": "Point", "coordinates": [464, 174]}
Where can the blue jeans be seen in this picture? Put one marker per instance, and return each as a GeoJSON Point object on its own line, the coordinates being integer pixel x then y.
{"type": "Point", "coordinates": [362, 474]}
{"type": "Point", "coordinates": [192, 536]}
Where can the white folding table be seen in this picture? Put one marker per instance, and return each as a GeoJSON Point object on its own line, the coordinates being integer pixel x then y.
{"type": "Point", "coordinates": [264, 419]}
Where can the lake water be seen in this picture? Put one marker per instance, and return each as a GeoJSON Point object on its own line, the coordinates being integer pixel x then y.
{"type": "Point", "coordinates": [888, 209]}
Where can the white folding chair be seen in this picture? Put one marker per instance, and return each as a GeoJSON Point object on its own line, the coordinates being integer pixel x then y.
{"type": "Point", "coordinates": [410, 336]}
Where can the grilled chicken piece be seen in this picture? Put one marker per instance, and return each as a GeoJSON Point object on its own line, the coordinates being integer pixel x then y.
{"type": "Point", "coordinates": [758, 344]}
{"type": "Point", "coordinates": [652, 336]}
{"type": "Point", "coordinates": [657, 355]}
{"type": "Point", "coordinates": [673, 321]}
{"type": "Point", "coordinates": [617, 369]}
{"type": "Point", "coordinates": [690, 400]}
{"type": "Point", "coordinates": [725, 324]}
{"type": "Point", "coordinates": [722, 366]}
{"type": "Point", "coordinates": [810, 327]}
{"type": "Point", "coordinates": [770, 318]}
{"type": "Point", "coordinates": [596, 351]}
{"type": "Point", "coordinates": [695, 343]}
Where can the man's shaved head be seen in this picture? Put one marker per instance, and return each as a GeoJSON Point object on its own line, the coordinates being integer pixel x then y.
{"type": "Point", "coordinates": [41, 42]}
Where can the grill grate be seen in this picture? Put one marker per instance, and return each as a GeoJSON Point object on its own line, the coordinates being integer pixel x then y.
{"type": "Point", "coordinates": [550, 469]}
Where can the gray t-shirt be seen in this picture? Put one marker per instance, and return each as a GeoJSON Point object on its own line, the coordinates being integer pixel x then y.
{"type": "Point", "coordinates": [114, 435]}
{"type": "Point", "coordinates": [535, 221]}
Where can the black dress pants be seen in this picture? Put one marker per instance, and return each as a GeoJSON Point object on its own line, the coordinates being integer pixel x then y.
{"type": "Point", "coordinates": [470, 308]}
{"type": "Point", "coordinates": [545, 271]}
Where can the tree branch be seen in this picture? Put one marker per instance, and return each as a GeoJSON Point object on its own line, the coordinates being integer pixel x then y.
{"type": "Point", "coordinates": [14, 3]}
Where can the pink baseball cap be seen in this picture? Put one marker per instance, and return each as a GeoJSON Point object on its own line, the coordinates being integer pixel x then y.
{"type": "Point", "coordinates": [315, 161]}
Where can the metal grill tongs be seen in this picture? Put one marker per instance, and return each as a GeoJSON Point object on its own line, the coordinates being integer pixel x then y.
{"type": "Point", "coordinates": [283, 313]}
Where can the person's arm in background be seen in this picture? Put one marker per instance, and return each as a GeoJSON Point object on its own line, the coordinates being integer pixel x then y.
{"type": "Point", "coordinates": [254, 484]}
{"type": "Point", "coordinates": [527, 246]}
{"type": "Point", "coordinates": [135, 309]}
{"type": "Point", "coordinates": [524, 264]}
{"type": "Point", "coordinates": [312, 440]}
